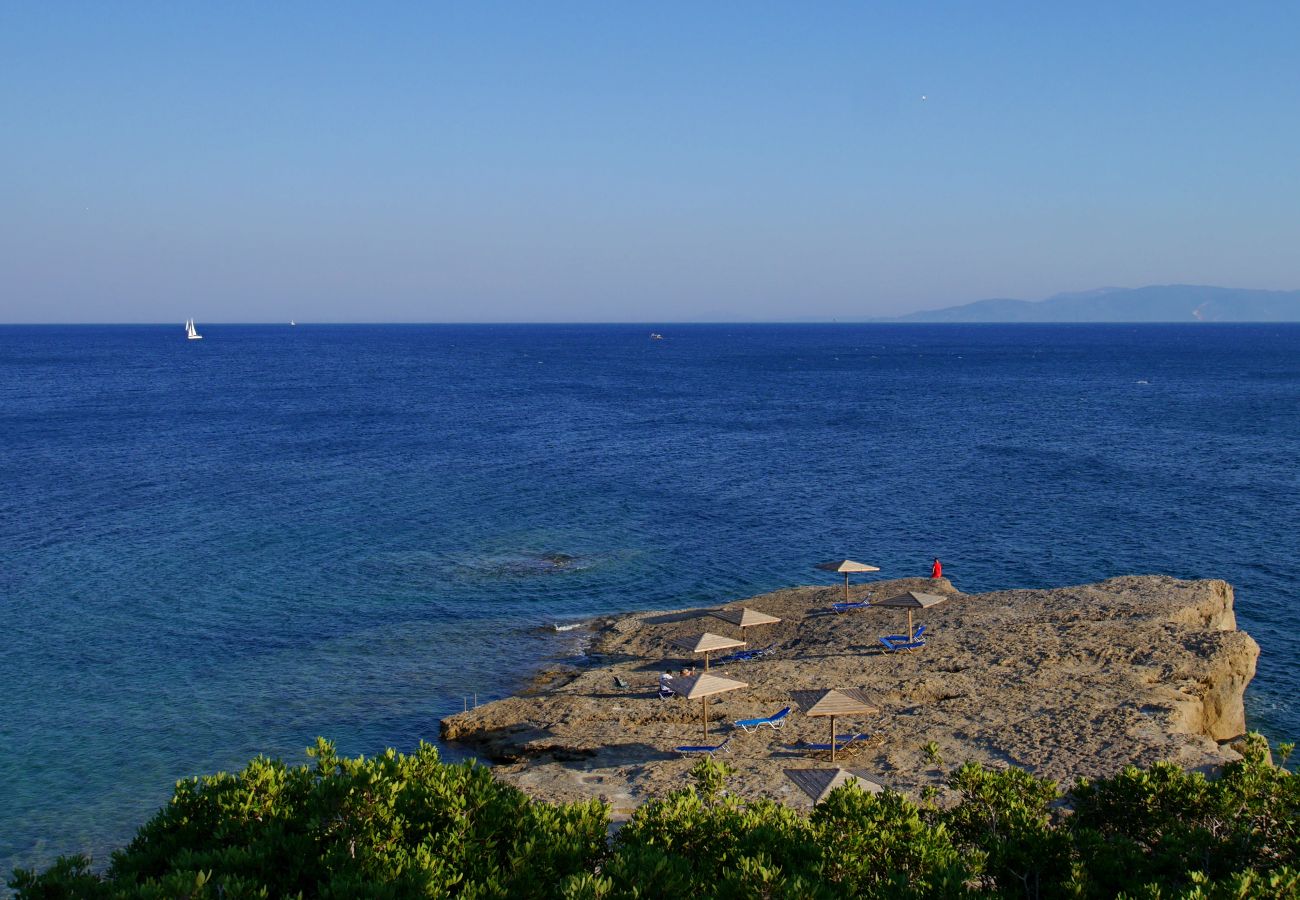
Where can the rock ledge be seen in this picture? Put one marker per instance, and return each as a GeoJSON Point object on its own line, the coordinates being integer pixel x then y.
{"type": "Point", "coordinates": [1076, 681]}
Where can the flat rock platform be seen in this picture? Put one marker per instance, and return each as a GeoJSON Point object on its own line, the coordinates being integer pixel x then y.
{"type": "Point", "coordinates": [1068, 682]}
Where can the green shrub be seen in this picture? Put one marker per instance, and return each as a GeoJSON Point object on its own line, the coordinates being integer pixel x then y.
{"type": "Point", "coordinates": [1004, 824]}
{"type": "Point", "coordinates": [392, 826]}
{"type": "Point", "coordinates": [400, 826]}
{"type": "Point", "coordinates": [1161, 825]}
{"type": "Point", "coordinates": [879, 845]}
{"type": "Point", "coordinates": [699, 841]}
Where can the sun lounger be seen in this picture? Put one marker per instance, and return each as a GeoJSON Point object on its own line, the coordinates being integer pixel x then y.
{"type": "Point", "coordinates": [897, 646]}
{"type": "Point", "coordinates": [776, 720]}
{"type": "Point", "coordinates": [904, 639]}
{"type": "Point", "coordinates": [694, 749]}
{"type": "Point", "coordinates": [842, 742]}
{"type": "Point", "coordinates": [666, 692]}
{"type": "Point", "coordinates": [743, 655]}
{"type": "Point", "coordinates": [847, 605]}
{"type": "Point", "coordinates": [621, 683]}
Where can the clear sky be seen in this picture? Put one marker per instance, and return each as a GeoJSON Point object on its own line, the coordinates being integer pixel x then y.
{"type": "Point", "coordinates": [662, 161]}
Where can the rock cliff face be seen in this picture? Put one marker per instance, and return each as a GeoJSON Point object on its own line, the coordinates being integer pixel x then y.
{"type": "Point", "coordinates": [1077, 681]}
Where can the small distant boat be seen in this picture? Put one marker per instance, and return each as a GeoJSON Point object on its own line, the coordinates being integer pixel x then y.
{"type": "Point", "coordinates": [190, 332]}
{"type": "Point", "coordinates": [656, 336]}
{"type": "Point", "coordinates": [292, 322]}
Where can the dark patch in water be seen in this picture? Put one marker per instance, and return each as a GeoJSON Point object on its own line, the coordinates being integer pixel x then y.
{"type": "Point", "coordinates": [528, 565]}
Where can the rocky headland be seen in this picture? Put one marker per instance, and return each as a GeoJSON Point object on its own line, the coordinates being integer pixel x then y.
{"type": "Point", "coordinates": [1070, 682]}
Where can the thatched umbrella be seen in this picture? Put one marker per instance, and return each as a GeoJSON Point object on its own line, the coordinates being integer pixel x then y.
{"type": "Point", "coordinates": [706, 643]}
{"type": "Point", "coordinates": [846, 566]}
{"type": "Point", "coordinates": [832, 703]}
{"type": "Point", "coordinates": [910, 601]}
{"type": "Point", "coordinates": [745, 618]}
{"type": "Point", "coordinates": [704, 686]}
{"type": "Point", "coordinates": [818, 783]}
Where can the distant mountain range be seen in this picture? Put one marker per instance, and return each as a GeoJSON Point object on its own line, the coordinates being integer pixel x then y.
{"type": "Point", "coordinates": [1156, 303]}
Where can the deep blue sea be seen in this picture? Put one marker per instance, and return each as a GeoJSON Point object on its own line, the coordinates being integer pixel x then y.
{"type": "Point", "coordinates": [219, 548]}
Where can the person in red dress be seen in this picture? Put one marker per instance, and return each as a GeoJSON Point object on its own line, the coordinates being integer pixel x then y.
{"type": "Point", "coordinates": [936, 570]}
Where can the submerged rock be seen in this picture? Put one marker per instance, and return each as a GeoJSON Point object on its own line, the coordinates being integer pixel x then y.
{"type": "Point", "coordinates": [558, 560]}
{"type": "Point", "coordinates": [525, 565]}
{"type": "Point", "coordinates": [1076, 681]}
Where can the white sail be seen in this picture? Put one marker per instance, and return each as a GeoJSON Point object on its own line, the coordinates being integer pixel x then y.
{"type": "Point", "coordinates": [190, 331]}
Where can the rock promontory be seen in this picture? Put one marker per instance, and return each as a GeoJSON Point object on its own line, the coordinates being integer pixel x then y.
{"type": "Point", "coordinates": [1069, 682]}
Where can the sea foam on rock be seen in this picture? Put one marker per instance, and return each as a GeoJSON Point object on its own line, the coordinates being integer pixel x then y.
{"type": "Point", "coordinates": [1075, 681]}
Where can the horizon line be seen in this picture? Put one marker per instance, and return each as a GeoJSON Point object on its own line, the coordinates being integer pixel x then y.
{"type": "Point", "coordinates": [645, 324]}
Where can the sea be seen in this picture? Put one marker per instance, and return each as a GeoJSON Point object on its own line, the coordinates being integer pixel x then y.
{"type": "Point", "coordinates": [215, 549]}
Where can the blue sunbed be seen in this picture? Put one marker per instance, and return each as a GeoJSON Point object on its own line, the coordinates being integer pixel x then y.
{"type": "Point", "coordinates": [855, 604]}
{"type": "Point", "coordinates": [743, 655]}
{"type": "Point", "coordinates": [841, 742]}
{"type": "Point", "coordinates": [897, 646]}
{"type": "Point", "coordinates": [904, 639]}
{"type": "Point", "coordinates": [693, 749]}
{"type": "Point", "coordinates": [776, 720]}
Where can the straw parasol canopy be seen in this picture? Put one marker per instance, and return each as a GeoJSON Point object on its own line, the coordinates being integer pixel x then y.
{"type": "Point", "coordinates": [832, 703]}
{"type": "Point", "coordinates": [704, 686]}
{"type": "Point", "coordinates": [910, 601]}
{"type": "Point", "coordinates": [706, 643]}
{"type": "Point", "coordinates": [846, 566]}
{"type": "Point", "coordinates": [818, 783]}
{"type": "Point", "coordinates": [745, 618]}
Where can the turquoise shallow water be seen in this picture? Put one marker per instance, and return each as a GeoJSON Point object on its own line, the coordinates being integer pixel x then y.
{"type": "Point", "coordinates": [219, 548]}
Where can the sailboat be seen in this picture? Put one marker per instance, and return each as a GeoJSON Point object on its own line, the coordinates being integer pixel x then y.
{"type": "Point", "coordinates": [190, 332]}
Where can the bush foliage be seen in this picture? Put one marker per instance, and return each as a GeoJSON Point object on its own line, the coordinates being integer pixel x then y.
{"type": "Point", "coordinates": [400, 826]}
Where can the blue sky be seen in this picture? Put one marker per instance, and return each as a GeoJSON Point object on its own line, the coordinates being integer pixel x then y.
{"type": "Point", "coordinates": [619, 162]}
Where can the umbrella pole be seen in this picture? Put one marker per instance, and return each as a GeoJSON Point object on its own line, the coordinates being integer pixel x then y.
{"type": "Point", "coordinates": [909, 626]}
{"type": "Point", "coordinates": [832, 739]}
{"type": "Point", "coordinates": [704, 709]}
{"type": "Point", "coordinates": [706, 660]}
{"type": "Point", "coordinates": [846, 587]}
